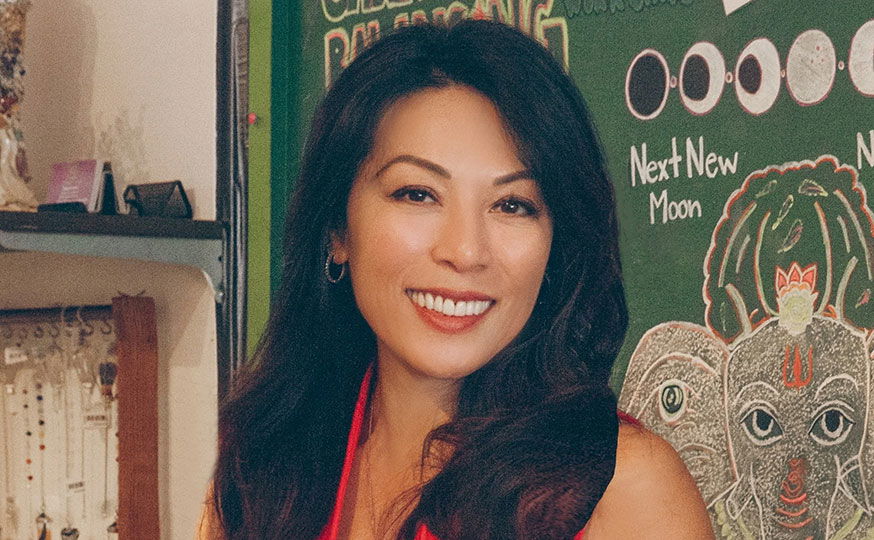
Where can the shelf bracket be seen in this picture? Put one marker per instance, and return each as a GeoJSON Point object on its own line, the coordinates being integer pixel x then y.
{"type": "Point", "coordinates": [205, 254]}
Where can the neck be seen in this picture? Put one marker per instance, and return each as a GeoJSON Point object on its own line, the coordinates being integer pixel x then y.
{"type": "Point", "coordinates": [406, 406]}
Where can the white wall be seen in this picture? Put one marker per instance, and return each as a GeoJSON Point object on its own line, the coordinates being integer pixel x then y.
{"type": "Point", "coordinates": [126, 80]}
{"type": "Point", "coordinates": [132, 82]}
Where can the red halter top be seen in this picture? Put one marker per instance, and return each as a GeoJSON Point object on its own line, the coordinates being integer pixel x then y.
{"type": "Point", "coordinates": [331, 530]}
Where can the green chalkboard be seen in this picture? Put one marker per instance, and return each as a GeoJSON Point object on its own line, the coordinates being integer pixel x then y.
{"type": "Point", "coordinates": [617, 51]}
{"type": "Point", "coordinates": [740, 138]}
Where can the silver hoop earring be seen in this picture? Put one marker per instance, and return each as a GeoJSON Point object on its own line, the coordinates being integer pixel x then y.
{"type": "Point", "coordinates": [331, 278]}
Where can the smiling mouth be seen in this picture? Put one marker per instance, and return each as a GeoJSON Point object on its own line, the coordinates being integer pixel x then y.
{"type": "Point", "coordinates": [447, 306]}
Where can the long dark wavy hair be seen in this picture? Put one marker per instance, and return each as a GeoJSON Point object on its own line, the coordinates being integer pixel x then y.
{"type": "Point", "coordinates": [534, 437]}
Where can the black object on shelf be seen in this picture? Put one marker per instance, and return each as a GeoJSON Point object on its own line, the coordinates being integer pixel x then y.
{"type": "Point", "coordinates": [163, 199]}
{"type": "Point", "coordinates": [66, 207]}
{"type": "Point", "coordinates": [109, 206]}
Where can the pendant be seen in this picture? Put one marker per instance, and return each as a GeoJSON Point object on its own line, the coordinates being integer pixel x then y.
{"type": "Point", "coordinates": [42, 522]}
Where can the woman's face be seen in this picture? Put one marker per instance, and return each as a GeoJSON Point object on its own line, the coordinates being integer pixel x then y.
{"type": "Point", "coordinates": [443, 212]}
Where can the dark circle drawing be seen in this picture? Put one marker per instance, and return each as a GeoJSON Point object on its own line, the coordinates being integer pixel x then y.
{"type": "Point", "coordinates": [750, 74]}
{"type": "Point", "coordinates": [759, 56]}
{"type": "Point", "coordinates": [696, 77]}
{"type": "Point", "coordinates": [646, 85]}
{"type": "Point", "coordinates": [672, 398]}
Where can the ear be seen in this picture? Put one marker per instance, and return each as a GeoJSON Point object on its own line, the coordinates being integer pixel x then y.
{"type": "Point", "coordinates": [689, 360]}
{"type": "Point", "coordinates": [339, 247]}
{"type": "Point", "coordinates": [686, 348]}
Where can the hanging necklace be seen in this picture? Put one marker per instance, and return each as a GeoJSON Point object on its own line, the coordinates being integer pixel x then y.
{"type": "Point", "coordinates": [42, 519]}
{"type": "Point", "coordinates": [11, 510]}
{"type": "Point", "coordinates": [380, 522]}
{"type": "Point", "coordinates": [81, 360]}
{"type": "Point", "coordinates": [108, 370]}
{"type": "Point", "coordinates": [28, 438]}
{"type": "Point", "coordinates": [69, 532]}
{"type": "Point", "coordinates": [73, 485]}
{"type": "Point", "coordinates": [383, 522]}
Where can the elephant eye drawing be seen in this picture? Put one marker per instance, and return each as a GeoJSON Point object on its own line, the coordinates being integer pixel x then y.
{"type": "Point", "coordinates": [831, 426]}
{"type": "Point", "coordinates": [761, 426]}
{"type": "Point", "coordinates": [672, 402]}
{"type": "Point", "coordinates": [769, 402]}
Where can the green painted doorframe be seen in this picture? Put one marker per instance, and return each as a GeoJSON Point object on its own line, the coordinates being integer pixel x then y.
{"type": "Point", "coordinates": [273, 52]}
{"type": "Point", "coordinates": [258, 264]}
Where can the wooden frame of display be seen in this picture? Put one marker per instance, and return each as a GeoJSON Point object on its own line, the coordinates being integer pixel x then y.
{"type": "Point", "coordinates": [137, 387]}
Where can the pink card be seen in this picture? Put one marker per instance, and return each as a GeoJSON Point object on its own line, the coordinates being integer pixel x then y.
{"type": "Point", "coordinates": [79, 181]}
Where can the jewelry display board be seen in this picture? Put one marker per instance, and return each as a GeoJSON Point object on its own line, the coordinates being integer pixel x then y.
{"type": "Point", "coordinates": [61, 380]}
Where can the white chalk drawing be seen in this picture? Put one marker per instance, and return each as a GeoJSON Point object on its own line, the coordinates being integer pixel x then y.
{"type": "Point", "coordinates": [731, 6]}
{"type": "Point", "coordinates": [769, 404]}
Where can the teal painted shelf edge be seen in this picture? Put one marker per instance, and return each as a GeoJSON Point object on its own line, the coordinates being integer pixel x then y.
{"type": "Point", "coordinates": [199, 244]}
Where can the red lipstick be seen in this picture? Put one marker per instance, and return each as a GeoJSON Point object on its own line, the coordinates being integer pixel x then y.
{"type": "Point", "coordinates": [450, 324]}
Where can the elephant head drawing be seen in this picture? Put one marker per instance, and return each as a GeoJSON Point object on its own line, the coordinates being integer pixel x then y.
{"type": "Point", "coordinates": [769, 404]}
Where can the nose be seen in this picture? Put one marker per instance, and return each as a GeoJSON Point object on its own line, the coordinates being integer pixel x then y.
{"type": "Point", "coordinates": [462, 242]}
{"type": "Point", "coordinates": [792, 487]}
{"type": "Point", "coordinates": [793, 507]}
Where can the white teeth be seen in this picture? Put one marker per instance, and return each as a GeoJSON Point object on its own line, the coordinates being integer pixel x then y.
{"type": "Point", "coordinates": [448, 306]}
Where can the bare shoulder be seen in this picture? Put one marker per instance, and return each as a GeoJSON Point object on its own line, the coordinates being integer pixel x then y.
{"type": "Point", "coordinates": [209, 527]}
{"type": "Point", "coordinates": [652, 494]}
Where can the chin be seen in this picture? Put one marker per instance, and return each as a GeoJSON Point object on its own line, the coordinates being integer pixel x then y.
{"type": "Point", "coordinates": [446, 368]}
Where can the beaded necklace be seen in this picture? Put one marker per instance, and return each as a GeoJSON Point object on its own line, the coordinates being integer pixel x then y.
{"type": "Point", "coordinates": [28, 446]}
{"type": "Point", "coordinates": [42, 520]}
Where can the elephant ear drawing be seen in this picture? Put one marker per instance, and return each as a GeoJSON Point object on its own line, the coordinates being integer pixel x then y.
{"type": "Point", "coordinates": [674, 385]}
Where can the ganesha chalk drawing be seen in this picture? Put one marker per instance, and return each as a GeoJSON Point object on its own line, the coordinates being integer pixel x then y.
{"type": "Point", "coordinates": [796, 407]}
{"type": "Point", "coordinates": [769, 404]}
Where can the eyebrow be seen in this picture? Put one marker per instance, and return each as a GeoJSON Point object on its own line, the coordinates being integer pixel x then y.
{"type": "Point", "coordinates": [753, 385]}
{"type": "Point", "coordinates": [835, 378]}
{"type": "Point", "coordinates": [442, 172]}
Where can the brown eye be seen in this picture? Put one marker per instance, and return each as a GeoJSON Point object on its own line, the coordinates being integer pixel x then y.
{"type": "Point", "coordinates": [517, 207]}
{"type": "Point", "coordinates": [415, 195]}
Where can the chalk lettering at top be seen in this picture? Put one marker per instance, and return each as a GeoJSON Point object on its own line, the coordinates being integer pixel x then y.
{"type": "Point", "coordinates": [646, 169]}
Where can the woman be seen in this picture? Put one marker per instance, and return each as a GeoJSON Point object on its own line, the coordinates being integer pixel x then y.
{"type": "Point", "coordinates": [452, 289]}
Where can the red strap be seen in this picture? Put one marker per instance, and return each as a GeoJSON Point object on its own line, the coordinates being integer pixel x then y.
{"type": "Point", "coordinates": [628, 419]}
{"type": "Point", "coordinates": [332, 529]}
